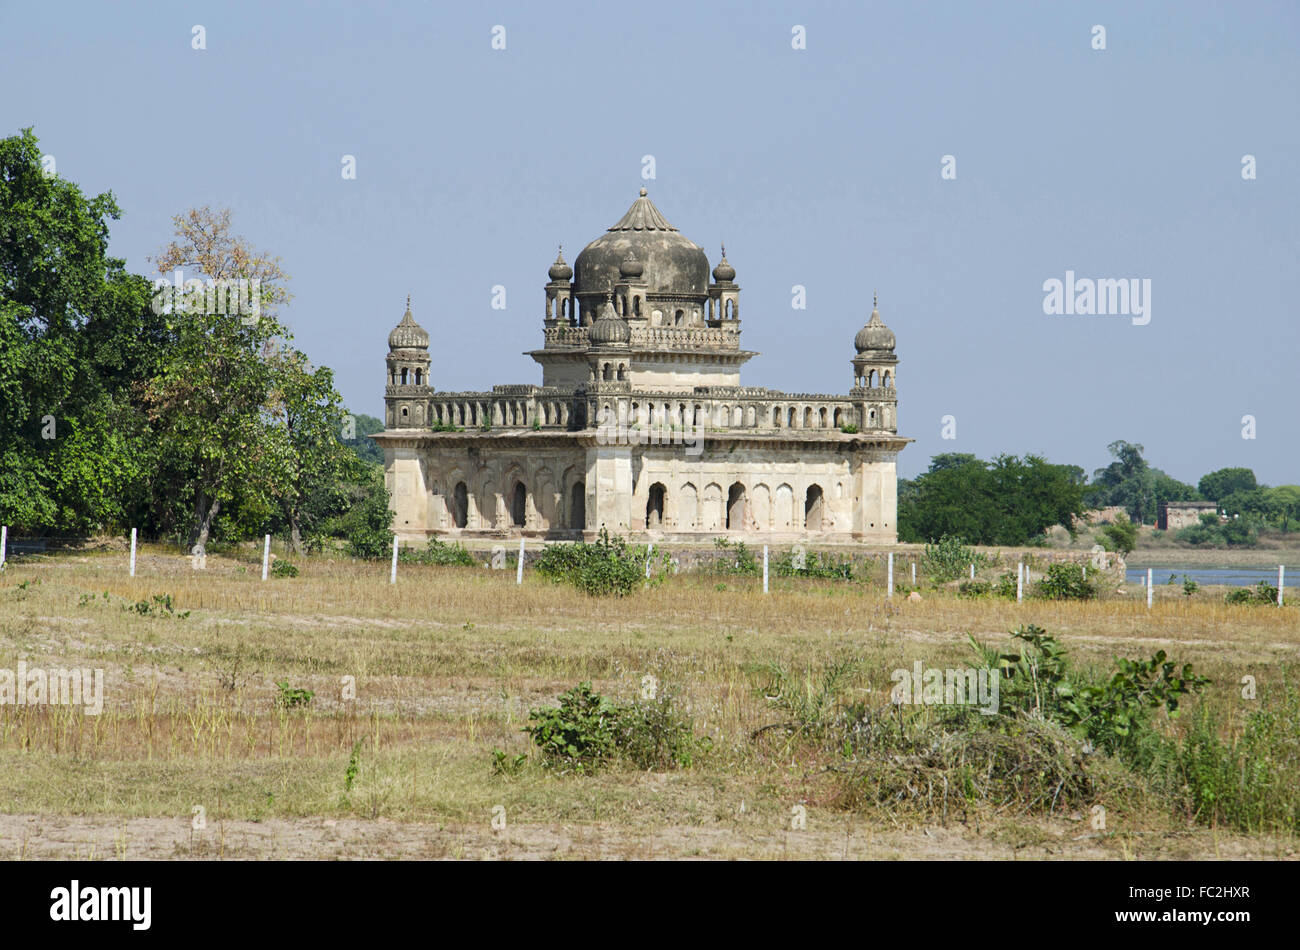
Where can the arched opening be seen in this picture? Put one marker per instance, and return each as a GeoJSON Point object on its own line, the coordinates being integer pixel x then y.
{"type": "Point", "coordinates": [789, 418]}
{"type": "Point", "coordinates": [736, 507]}
{"type": "Point", "coordinates": [405, 412]}
{"type": "Point", "coordinates": [460, 505]}
{"type": "Point", "coordinates": [679, 318]}
{"type": "Point", "coordinates": [807, 417]}
{"type": "Point", "coordinates": [821, 417]}
{"type": "Point", "coordinates": [731, 310]}
{"type": "Point", "coordinates": [578, 506]}
{"type": "Point", "coordinates": [419, 377]}
{"type": "Point", "coordinates": [812, 508]}
{"type": "Point", "coordinates": [636, 306]}
{"type": "Point", "coordinates": [889, 380]}
{"type": "Point", "coordinates": [622, 371]}
{"type": "Point", "coordinates": [654, 509]}
{"type": "Point", "coordinates": [839, 418]}
{"type": "Point", "coordinates": [606, 373]}
{"type": "Point", "coordinates": [519, 505]}
{"type": "Point", "coordinates": [776, 417]}
{"type": "Point", "coordinates": [404, 372]}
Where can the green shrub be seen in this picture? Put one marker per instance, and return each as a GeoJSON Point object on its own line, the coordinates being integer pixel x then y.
{"type": "Point", "coordinates": [1112, 713]}
{"type": "Point", "coordinates": [607, 567]}
{"type": "Point", "coordinates": [439, 554]}
{"type": "Point", "coordinates": [949, 559]}
{"type": "Point", "coordinates": [975, 589]}
{"type": "Point", "coordinates": [1263, 593]}
{"type": "Point", "coordinates": [1066, 582]}
{"type": "Point", "coordinates": [291, 696]}
{"type": "Point", "coordinates": [284, 569]}
{"type": "Point", "coordinates": [735, 558]}
{"type": "Point", "coordinates": [1120, 536]}
{"type": "Point", "coordinates": [160, 606]}
{"type": "Point", "coordinates": [816, 564]}
{"type": "Point", "coordinates": [849, 429]}
{"type": "Point", "coordinates": [587, 731]}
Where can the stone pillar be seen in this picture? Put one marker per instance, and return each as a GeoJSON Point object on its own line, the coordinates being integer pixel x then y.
{"type": "Point", "coordinates": [609, 488]}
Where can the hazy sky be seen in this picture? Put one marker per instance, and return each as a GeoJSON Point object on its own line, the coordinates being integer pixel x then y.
{"type": "Point", "coordinates": [819, 167]}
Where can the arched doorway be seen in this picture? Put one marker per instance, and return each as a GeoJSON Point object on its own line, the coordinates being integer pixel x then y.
{"type": "Point", "coordinates": [519, 505]}
{"type": "Point", "coordinates": [736, 507]}
{"type": "Point", "coordinates": [812, 508]}
{"type": "Point", "coordinates": [654, 509]}
{"type": "Point", "coordinates": [578, 507]}
{"type": "Point", "coordinates": [460, 505]}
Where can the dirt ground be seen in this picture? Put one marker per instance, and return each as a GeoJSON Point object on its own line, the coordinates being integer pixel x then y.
{"type": "Point", "coordinates": [45, 837]}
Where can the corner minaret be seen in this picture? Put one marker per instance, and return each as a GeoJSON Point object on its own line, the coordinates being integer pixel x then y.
{"type": "Point", "coordinates": [724, 295]}
{"type": "Point", "coordinates": [875, 373]}
{"type": "Point", "coordinates": [559, 293]}
{"type": "Point", "coordinates": [408, 389]}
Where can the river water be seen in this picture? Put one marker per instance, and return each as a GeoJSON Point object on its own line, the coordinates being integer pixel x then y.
{"type": "Point", "coordinates": [1225, 576]}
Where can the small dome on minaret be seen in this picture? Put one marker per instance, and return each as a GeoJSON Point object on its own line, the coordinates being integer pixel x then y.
{"type": "Point", "coordinates": [631, 268]}
{"type": "Point", "coordinates": [875, 336]}
{"type": "Point", "coordinates": [560, 270]}
{"type": "Point", "coordinates": [724, 273]}
{"type": "Point", "coordinates": [408, 334]}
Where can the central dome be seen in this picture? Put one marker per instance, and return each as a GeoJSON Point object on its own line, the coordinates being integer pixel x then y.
{"type": "Point", "coordinates": [672, 264]}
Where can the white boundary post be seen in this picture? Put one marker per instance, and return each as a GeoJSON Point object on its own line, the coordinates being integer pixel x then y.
{"type": "Point", "coordinates": [392, 572]}
{"type": "Point", "coordinates": [1020, 581]}
{"type": "Point", "coordinates": [133, 552]}
{"type": "Point", "coordinates": [972, 572]}
{"type": "Point", "coordinates": [765, 568]}
{"type": "Point", "coordinates": [1281, 575]}
{"type": "Point", "coordinates": [649, 553]}
{"type": "Point", "coordinates": [891, 575]}
{"type": "Point", "coordinates": [1150, 592]}
{"type": "Point", "coordinates": [519, 567]}
{"type": "Point", "coordinates": [4, 543]}
{"type": "Point", "coordinates": [266, 555]}
{"type": "Point", "coordinates": [913, 573]}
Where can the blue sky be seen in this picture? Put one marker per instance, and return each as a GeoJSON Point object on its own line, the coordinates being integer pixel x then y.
{"type": "Point", "coordinates": [819, 167]}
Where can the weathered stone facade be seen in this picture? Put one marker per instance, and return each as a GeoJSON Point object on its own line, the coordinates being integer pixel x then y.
{"type": "Point", "coordinates": [641, 424]}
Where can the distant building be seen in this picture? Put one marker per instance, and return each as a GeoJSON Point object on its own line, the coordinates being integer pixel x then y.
{"type": "Point", "coordinates": [1183, 514]}
{"type": "Point", "coordinates": [641, 423]}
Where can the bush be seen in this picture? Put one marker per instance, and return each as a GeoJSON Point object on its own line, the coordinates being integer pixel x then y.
{"type": "Point", "coordinates": [607, 567]}
{"type": "Point", "coordinates": [976, 589]}
{"type": "Point", "coordinates": [736, 559]}
{"type": "Point", "coordinates": [1120, 536]}
{"type": "Point", "coordinates": [1066, 582]}
{"type": "Point", "coordinates": [587, 731]}
{"type": "Point", "coordinates": [439, 554]}
{"type": "Point", "coordinates": [949, 559]}
{"type": "Point", "coordinates": [291, 696]}
{"type": "Point", "coordinates": [815, 565]}
{"type": "Point", "coordinates": [284, 569]}
{"type": "Point", "coordinates": [1263, 593]}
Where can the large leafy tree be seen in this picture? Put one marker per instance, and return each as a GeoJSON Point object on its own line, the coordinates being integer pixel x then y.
{"type": "Point", "coordinates": [1009, 500]}
{"type": "Point", "coordinates": [1218, 485]}
{"type": "Point", "coordinates": [75, 332]}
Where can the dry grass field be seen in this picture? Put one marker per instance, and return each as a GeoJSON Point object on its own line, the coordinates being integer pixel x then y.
{"type": "Point", "coordinates": [447, 664]}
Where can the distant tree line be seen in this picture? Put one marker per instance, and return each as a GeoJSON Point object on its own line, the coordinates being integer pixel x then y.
{"type": "Point", "coordinates": [1016, 500]}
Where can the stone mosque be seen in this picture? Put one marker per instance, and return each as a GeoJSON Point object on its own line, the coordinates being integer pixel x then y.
{"type": "Point", "coordinates": [640, 423]}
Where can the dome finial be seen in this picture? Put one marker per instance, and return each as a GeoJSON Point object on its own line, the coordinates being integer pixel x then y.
{"type": "Point", "coordinates": [875, 300]}
{"type": "Point", "coordinates": [408, 301]}
{"type": "Point", "coordinates": [643, 192]}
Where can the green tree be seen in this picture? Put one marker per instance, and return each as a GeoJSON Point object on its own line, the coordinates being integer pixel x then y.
{"type": "Point", "coordinates": [1121, 535]}
{"type": "Point", "coordinates": [75, 332]}
{"type": "Point", "coordinates": [1127, 482]}
{"type": "Point", "coordinates": [1009, 500]}
{"type": "Point", "coordinates": [1218, 485]}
